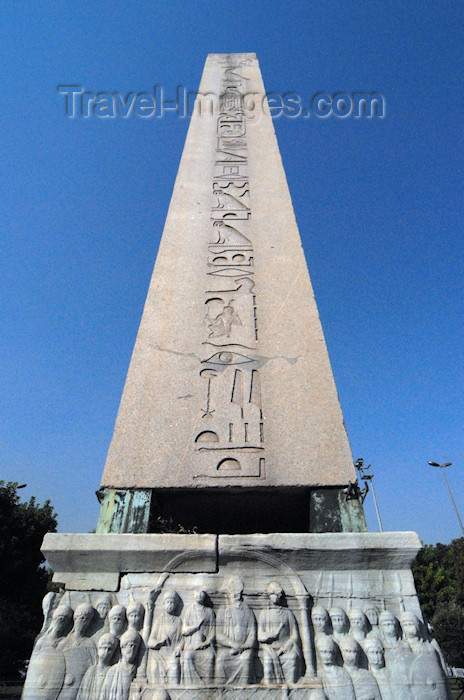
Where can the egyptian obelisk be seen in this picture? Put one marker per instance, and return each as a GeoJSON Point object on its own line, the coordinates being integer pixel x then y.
{"type": "Point", "coordinates": [230, 430]}
{"type": "Point", "coordinates": [230, 385]}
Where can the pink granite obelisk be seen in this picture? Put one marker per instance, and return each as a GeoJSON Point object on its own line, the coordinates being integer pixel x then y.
{"type": "Point", "coordinates": [230, 385]}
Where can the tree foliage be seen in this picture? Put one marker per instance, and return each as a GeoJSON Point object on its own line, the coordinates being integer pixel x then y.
{"type": "Point", "coordinates": [23, 578]}
{"type": "Point", "coordinates": [439, 575]}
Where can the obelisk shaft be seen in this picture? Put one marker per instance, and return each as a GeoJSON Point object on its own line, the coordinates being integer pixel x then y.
{"type": "Point", "coordinates": [230, 383]}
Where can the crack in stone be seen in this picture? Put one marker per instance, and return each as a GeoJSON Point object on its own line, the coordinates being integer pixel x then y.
{"type": "Point", "coordinates": [260, 360]}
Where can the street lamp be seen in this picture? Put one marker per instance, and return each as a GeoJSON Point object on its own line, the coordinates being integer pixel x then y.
{"type": "Point", "coordinates": [442, 467]}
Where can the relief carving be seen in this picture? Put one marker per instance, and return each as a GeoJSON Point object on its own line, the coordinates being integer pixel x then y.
{"type": "Point", "coordinates": [117, 620]}
{"type": "Point", "coordinates": [364, 684]}
{"type": "Point", "coordinates": [47, 667]}
{"type": "Point", "coordinates": [221, 325]}
{"type": "Point", "coordinates": [229, 235]}
{"type": "Point", "coordinates": [79, 651]}
{"type": "Point", "coordinates": [100, 620]}
{"type": "Point", "coordinates": [118, 679]}
{"type": "Point", "coordinates": [321, 621]}
{"type": "Point", "coordinates": [335, 679]}
{"type": "Point", "coordinates": [427, 675]}
{"type": "Point", "coordinates": [376, 657]}
{"type": "Point", "coordinates": [94, 677]}
{"type": "Point", "coordinates": [236, 634]}
{"type": "Point", "coordinates": [165, 643]}
{"type": "Point", "coordinates": [174, 648]}
{"type": "Point", "coordinates": [280, 639]}
{"type": "Point", "coordinates": [198, 630]}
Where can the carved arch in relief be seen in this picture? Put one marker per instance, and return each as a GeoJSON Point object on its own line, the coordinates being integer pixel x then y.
{"type": "Point", "coordinates": [286, 573]}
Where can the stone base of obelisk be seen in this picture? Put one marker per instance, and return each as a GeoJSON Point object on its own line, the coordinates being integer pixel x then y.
{"type": "Point", "coordinates": [261, 644]}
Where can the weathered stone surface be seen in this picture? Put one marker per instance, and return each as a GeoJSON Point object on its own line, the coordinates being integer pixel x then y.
{"type": "Point", "coordinates": [333, 551]}
{"type": "Point", "coordinates": [282, 615]}
{"type": "Point", "coordinates": [95, 562]}
{"type": "Point", "coordinates": [230, 382]}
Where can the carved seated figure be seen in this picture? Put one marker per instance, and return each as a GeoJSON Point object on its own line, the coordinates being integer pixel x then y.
{"type": "Point", "coordinates": [281, 645]}
{"type": "Point", "coordinates": [364, 684]}
{"type": "Point", "coordinates": [336, 681]}
{"type": "Point", "coordinates": [94, 677]}
{"type": "Point", "coordinates": [165, 643]}
{"type": "Point", "coordinates": [428, 679]}
{"type": "Point", "coordinates": [119, 677]}
{"type": "Point", "coordinates": [198, 630]}
{"type": "Point", "coordinates": [236, 637]}
{"type": "Point", "coordinates": [79, 651]}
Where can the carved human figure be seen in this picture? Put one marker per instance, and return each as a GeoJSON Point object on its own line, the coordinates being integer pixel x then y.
{"type": "Point", "coordinates": [376, 657]}
{"type": "Point", "coordinates": [372, 614]}
{"type": "Point", "coordinates": [79, 651]}
{"type": "Point", "coordinates": [198, 630]}
{"type": "Point", "coordinates": [94, 677]}
{"type": "Point", "coordinates": [165, 643]}
{"type": "Point", "coordinates": [135, 614]}
{"type": "Point", "coordinates": [390, 632]}
{"type": "Point", "coordinates": [152, 597]}
{"type": "Point", "coordinates": [119, 677]}
{"type": "Point", "coordinates": [364, 684]}
{"type": "Point", "coordinates": [236, 635]}
{"type": "Point", "coordinates": [49, 603]}
{"type": "Point", "coordinates": [117, 620]}
{"type": "Point", "coordinates": [359, 625]}
{"type": "Point", "coordinates": [398, 657]}
{"type": "Point", "coordinates": [359, 630]}
{"type": "Point", "coordinates": [100, 622]}
{"type": "Point", "coordinates": [321, 621]}
{"type": "Point", "coordinates": [340, 623]}
{"type": "Point", "coordinates": [47, 667]}
{"type": "Point", "coordinates": [428, 680]}
{"type": "Point", "coordinates": [222, 324]}
{"type": "Point", "coordinates": [280, 639]}
{"type": "Point", "coordinates": [59, 627]}
{"type": "Point", "coordinates": [335, 679]}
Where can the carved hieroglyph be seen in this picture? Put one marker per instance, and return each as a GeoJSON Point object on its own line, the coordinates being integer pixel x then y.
{"type": "Point", "coordinates": [230, 383]}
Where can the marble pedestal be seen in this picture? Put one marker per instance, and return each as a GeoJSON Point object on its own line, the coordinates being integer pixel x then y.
{"type": "Point", "coordinates": [257, 592]}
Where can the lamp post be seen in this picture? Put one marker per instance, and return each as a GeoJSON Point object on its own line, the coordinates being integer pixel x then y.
{"type": "Point", "coordinates": [442, 467]}
{"type": "Point", "coordinates": [368, 477]}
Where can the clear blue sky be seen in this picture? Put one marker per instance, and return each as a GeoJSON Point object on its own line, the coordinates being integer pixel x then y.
{"type": "Point", "coordinates": [378, 203]}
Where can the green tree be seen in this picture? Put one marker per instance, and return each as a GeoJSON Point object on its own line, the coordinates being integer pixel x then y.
{"type": "Point", "coordinates": [439, 575]}
{"type": "Point", "coordinates": [23, 578]}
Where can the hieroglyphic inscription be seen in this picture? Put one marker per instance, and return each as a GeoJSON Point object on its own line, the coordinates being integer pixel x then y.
{"type": "Point", "coordinates": [231, 431]}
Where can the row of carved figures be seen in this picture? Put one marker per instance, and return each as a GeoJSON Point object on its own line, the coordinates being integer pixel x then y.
{"type": "Point", "coordinates": [377, 657]}
{"type": "Point", "coordinates": [95, 653]}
